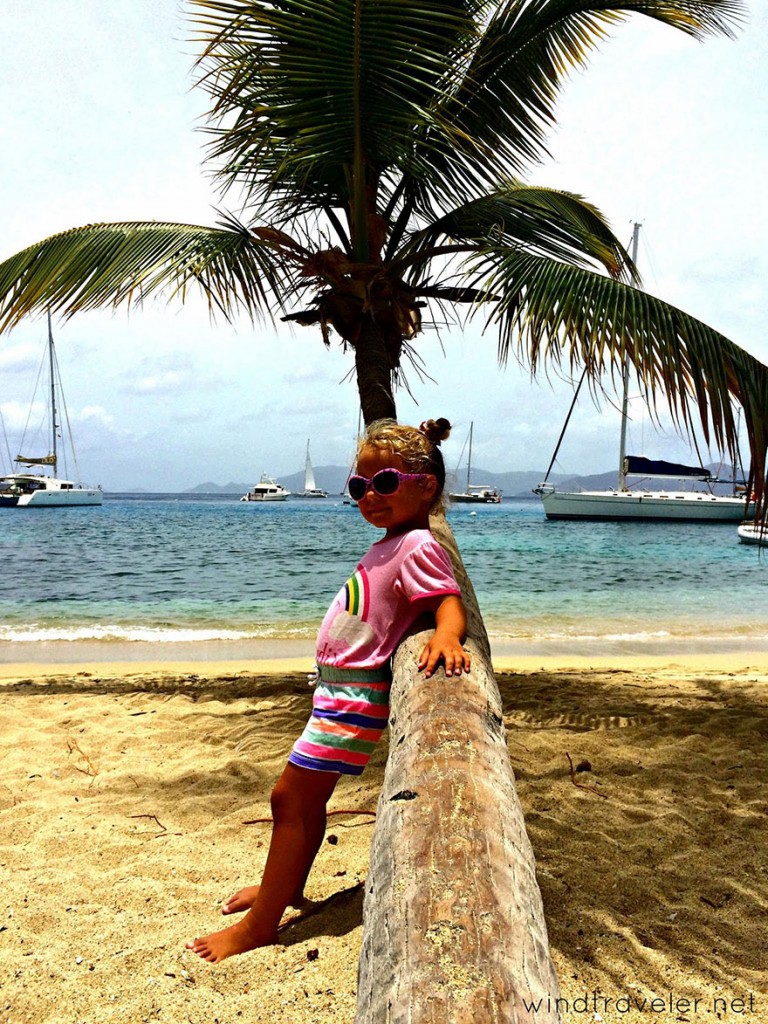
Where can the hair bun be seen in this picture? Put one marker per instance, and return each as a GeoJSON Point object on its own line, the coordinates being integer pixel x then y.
{"type": "Point", "coordinates": [436, 430]}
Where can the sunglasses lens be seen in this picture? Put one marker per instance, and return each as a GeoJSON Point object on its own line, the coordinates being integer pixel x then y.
{"type": "Point", "coordinates": [386, 481]}
{"type": "Point", "coordinates": [357, 486]}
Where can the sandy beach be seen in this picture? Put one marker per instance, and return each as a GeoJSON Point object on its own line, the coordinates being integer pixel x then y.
{"type": "Point", "coordinates": [128, 792]}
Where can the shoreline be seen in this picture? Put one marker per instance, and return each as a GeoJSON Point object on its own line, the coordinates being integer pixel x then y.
{"type": "Point", "coordinates": [292, 657]}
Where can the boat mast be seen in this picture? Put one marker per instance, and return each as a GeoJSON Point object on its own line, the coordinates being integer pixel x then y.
{"type": "Point", "coordinates": [51, 361]}
{"type": "Point", "coordinates": [469, 456]}
{"type": "Point", "coordinates": [625, 386]}
{"type": "Point", "coordinates": [309, 473]}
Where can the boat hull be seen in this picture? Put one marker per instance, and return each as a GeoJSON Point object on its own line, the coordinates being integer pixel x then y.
{"type": "Point", "coordinates": [474, 499]}
{"type": "Point", "coordinates": [683, 506]}
{"type": "Point", "coordinates": [61, 499]}
{"type": "Point", "coordinates": [22, 490]}
{"type": "Point", "coordinates": [263, 497]}
{"type": "Point", "coordinates": [750, 533]}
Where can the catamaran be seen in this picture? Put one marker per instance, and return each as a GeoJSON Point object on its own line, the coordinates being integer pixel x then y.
{"type": "Point", "coordinates": [641, 502]}
{"type": "Point", "coordinates": [38, 490]}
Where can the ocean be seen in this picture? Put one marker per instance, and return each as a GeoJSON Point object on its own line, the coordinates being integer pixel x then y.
{"type": "Point", "coordinates": [190, 568]}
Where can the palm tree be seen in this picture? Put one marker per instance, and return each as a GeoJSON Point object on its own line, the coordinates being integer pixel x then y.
{"type": "Point", "coordinates": [378, 151]}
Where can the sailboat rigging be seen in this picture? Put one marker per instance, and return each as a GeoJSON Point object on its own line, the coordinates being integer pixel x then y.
{"type": "Point", "coordinates": [641, 503]}
{"type": "Point", "coordinates": [476, 494]}
{"type": "Point", "coordinates": [311, 490]}
{"type": "Point", "coordinates": [32, 490]}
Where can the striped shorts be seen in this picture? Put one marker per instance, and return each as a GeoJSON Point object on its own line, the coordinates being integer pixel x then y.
{"type": "Point", "coordinates": [350, 709]}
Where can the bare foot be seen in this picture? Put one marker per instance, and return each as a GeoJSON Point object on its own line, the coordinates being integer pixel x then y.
{"type": "Point", "coordinates": [238, 938]}
{"type": "Point", "coordinates": [245, 898]}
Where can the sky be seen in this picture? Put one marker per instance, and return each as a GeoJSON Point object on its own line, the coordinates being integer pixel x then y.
{"type": "Point", "coordinates": [99, 122]}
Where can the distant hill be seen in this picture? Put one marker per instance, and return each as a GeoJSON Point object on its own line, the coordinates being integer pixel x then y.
{"type": "Point", "coordinates": [333, 479]}
{"type": "Point", "coordinates": [328, 478]}
{"type": "Point", "coordinates": [513, 484]}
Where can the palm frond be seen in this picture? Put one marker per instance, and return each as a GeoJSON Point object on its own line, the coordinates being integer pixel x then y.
{"type": "Point", "coordinates": [498, 107]}
{"type": "Point", "coordinates": [543, 221]}
{"type": "Point", "coordinates": [293, 81]}
{"type": "Point", "coordinates": [553, 314]}
{"type": "Point", "coordinates": [110, 264]}
{"type": "Point", "coordinates": [453, 94]}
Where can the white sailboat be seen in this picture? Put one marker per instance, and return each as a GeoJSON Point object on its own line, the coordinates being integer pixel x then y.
{"type": "Point", "coordinates": [38, 490]}
{"type": "Point", "coordinates": [475, 494]}
{"type": "Point", "coordinates": [642, 502]}
{"type": "Point", "coordinates": [311, 490]}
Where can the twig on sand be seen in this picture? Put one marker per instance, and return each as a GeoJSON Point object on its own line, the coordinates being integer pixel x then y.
{"type": "Point", "coordinates": [153, 817]}
{"type": "Point", "coordinates": [92, 770]}
{"type": "Point", "coordinates": [580, 785]}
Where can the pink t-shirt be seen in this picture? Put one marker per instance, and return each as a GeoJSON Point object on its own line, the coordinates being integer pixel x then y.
{"type": "Point", "coordinates": [395, 582]}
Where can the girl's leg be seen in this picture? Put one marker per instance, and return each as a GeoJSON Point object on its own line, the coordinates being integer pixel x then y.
{"type": "Point", "coordinates": [299, 802]}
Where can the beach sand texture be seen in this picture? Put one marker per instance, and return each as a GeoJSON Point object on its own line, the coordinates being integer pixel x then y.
{"type": "Point", "coordinates": [124, 797]}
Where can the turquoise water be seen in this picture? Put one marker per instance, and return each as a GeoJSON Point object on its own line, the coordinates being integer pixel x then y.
{"type": "Point", "coordinates": [183, 568]}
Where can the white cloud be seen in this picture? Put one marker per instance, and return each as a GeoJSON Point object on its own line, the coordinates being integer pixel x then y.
{"type": "Point", "coordinates": [162, 383]}
{"type": "Point", "coordinates": [21, 358]}
{"type": "Point", "coordinates": [16, 415]}
{"type": "Point", "coordinates": [97, 414]}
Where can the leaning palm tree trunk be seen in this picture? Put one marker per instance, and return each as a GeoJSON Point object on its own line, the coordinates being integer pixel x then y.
{"type": "Point", "coordinates": [453, 923]}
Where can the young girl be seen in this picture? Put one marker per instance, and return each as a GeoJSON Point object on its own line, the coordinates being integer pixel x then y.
{"type": "Point", "coordinates": [400, 478]}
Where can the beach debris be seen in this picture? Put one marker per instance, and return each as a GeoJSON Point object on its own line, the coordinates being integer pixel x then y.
{"type": "Point", "coordinates": [157, 835]}
{"type": "Point", "coordinates": [313, 954]}
{"type": "Point", "coordinates": [719, 902]}
{"type": "Point", "coordinates": [581, 785]}
{"type": "Point", "coordinates": [152, 817]}
{"type": "Point", "coordinates": [91, 769]}
{"type": "Point", "coordinates": [333, 840]}
{"type": "Point", "coordinates": [584, 766]}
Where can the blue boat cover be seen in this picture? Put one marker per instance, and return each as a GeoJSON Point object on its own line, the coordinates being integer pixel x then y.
{"type": "Point", "coordinates": [637, 465]}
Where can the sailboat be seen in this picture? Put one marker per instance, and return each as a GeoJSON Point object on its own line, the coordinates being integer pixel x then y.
{"type": "Point", "coordinates": [476, 494]}
{"type": "Point", "coordinates": [38, 490]}
{"type": "Point", "coordinates": [311, 490]}
{"type": "Point", "coordinates": [641, 502]}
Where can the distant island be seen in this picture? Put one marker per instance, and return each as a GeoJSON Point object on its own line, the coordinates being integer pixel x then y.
{"type": "Point", "coordinates": [513, 484]}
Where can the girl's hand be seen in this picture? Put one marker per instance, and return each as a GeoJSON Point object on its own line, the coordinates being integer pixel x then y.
{"type": "Point", "coordinates": [445, 644]}
{"type": "Point", "coordinates": [445, 648]}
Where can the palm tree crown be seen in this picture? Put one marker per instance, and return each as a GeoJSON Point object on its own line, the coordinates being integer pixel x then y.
{"type": "Point", "coordinates": [379, 149]}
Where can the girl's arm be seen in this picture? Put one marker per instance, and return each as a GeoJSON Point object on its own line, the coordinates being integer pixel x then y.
{"type": "Point", "coordinates": [445, 644]}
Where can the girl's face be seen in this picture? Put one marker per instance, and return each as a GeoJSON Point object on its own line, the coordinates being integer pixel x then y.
{"type": "Point", "coordinates": [406, 509]}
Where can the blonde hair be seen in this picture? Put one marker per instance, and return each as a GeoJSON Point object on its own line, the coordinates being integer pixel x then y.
{"type": "Point", "coordinates": [418, 447]}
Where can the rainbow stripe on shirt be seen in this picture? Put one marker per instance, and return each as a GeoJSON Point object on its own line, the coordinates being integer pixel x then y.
{"type": "Point", "coordinates": [357, 594]}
